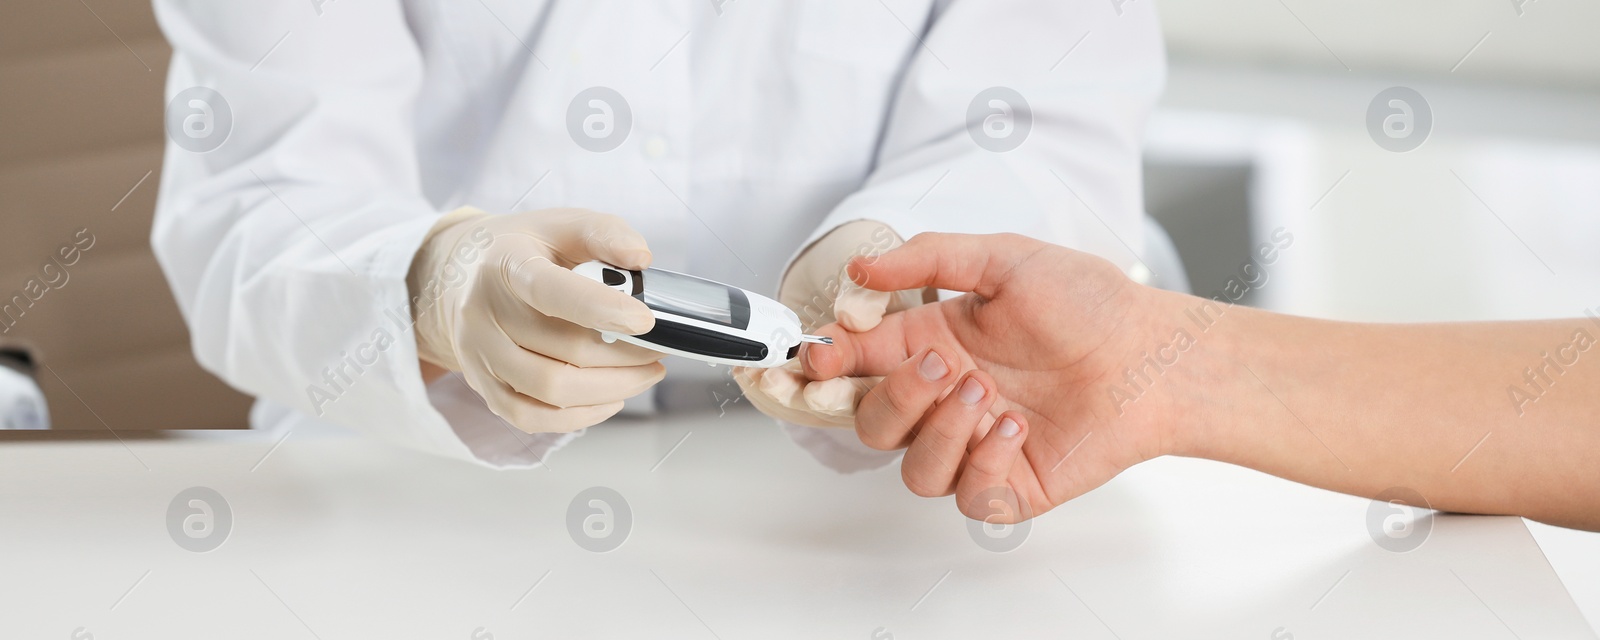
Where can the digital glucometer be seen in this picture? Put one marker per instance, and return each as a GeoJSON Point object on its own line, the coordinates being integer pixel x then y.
{"type": "Point", "coordinates": [705, 320]}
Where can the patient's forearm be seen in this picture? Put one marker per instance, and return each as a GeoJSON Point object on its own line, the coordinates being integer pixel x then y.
{"type": "Point", "coordinates": [1476, 417]}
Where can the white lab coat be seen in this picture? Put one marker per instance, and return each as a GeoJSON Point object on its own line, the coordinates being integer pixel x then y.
{"type": "Point", "coordinates": [756, 126]}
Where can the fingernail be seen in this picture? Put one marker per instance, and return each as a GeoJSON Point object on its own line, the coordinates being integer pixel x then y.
{"type": "Point", "coordinates": [639, 257]}
{"type": "Point", "coordinates": [805, 357]}
{"type": "Point", "coordinates": [933, 366]}
{"type": "Point", "coordinates": [971, 392]}
{"type": "Point", "coordinates": [1009, 428]}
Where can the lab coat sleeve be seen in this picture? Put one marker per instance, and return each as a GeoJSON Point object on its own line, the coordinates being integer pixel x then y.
{"type": "Point", "coordinates": [288, 245]}
{"type": "Point", "coordinates": [1089, 72]}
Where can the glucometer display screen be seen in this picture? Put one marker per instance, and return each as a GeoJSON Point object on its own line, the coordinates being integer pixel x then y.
{"type": "Point", "coordinates": [693, 297]}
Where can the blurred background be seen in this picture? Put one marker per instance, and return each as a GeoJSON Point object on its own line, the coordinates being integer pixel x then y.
{"type": "Point", "coordinates": [1496, 215]}
{"type": "Point", "coordinates": [1267, 123]}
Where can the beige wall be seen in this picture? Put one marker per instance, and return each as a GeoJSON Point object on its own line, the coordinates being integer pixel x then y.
{"type": "Point", "coordinates": [82, 108]}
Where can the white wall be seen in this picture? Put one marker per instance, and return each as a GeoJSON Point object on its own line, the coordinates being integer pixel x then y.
{"type": "Point", "coordinates": [1530, 42]}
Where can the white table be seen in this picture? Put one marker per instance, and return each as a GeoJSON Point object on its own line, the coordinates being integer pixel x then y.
{"type": "Point", "coordinates": [735, 534]}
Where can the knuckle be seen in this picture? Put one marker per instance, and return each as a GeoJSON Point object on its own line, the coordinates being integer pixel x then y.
{"type": "Point", "coordinates": [980, 467]}
{"type": "Point", "coordinates": [954, 421]}
{"type": "Point", "coordinates": [897, 412]}
{"type": "Point", "coordinates": [986, 466]}
{"type": "Point", "coordinates": [517, 269]}
{"type": "Point", "coordinates": [923, 242]}
{"type": "Point", "coordinates": [604, 227]}
{"type": "Point", "coordinates": [552, 387]}
{"type": "Point", "coordinates": [920, 484]}
{"type": "Point", "coordinates": [899, 401]}
{"type": "Point", "coordinates": [586, 351]}
{"type": "Point", "coordinates": [874, 436]}
{"type": "Point", "coordinates": [939, 435]}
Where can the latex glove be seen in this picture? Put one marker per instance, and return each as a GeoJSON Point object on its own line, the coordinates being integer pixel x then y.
{"type": "Point", "coordinates": [818, 290]}
{"type": "Point", "coordinates": [494, 298]}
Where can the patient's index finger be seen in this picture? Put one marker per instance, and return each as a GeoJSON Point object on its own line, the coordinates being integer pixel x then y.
{"type": "Point", "coordinates": [957, 262]}
{"type": "Point", "coordinates": [870, 353]}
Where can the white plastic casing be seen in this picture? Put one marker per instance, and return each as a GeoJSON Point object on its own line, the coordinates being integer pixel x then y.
{"type": "Point", "coordinates": [770, 324]}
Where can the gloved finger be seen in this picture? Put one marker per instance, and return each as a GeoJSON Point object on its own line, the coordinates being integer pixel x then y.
{"type": "Point", "coordinates": [957, 262]}
{"type": "Point", "coordinates": [559, 384]}
{"type": "Point", "coordinates": [859, 309]}
{"type": "Point", "coordinates": [813, 281]}
{"type": "Point", "coordinates": [835, 396]}
{"type": "Point", "coordinates": [530, 415]}
{"type": "Point", "coordinates": [887, 416]}
{"type": "Point", "coordinates": [790, 390]}
{"type": "Point", "coordinates": [783, 386]}
{"type": "Point", "coordinates": [571, 343]}
{"type": "Point", "coordinates": [579, 235]}
{"type": "Point", "coordinates": [556, 291]}
{"type": "Point", "coordinates": [933, 461]}
{"type": "Point", "coordinates": [748, 380]}
{"type": "Point", "coordinates": [984, 491]}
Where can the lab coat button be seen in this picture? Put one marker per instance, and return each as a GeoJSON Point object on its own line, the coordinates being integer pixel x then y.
{"type": "Point", "coordinates": [655, 147]}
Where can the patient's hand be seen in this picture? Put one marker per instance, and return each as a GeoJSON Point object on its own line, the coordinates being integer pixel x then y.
{"type": "Point", "coordinates": [1049, 335]}
{"type": "Point", "coordinates": [1024, 363]}
{"type": "Point", "coordinates": [816, 288]}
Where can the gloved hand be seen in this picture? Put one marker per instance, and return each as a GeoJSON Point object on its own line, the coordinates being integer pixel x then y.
{"type": "Point", "coordinates": [818, 290]}
{"type": "Point", "coordinates": [494, 298]}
